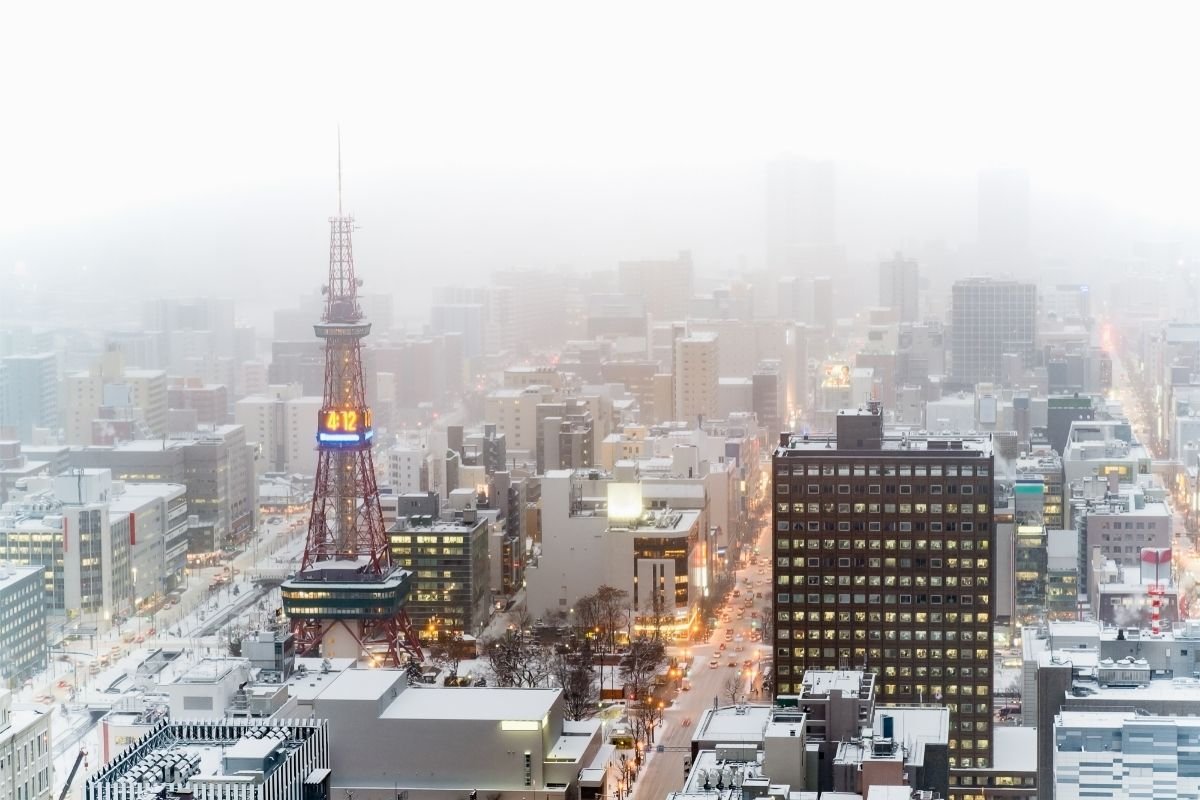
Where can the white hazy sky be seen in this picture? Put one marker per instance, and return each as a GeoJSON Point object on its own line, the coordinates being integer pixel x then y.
{"type": "Point", "coordinates": [108, 107]}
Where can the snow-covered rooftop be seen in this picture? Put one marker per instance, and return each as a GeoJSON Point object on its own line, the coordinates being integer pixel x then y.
{"type": "Point", "coordinates": [733, 724]}
{"type": "Point", "coordinates": [1014, 748]}
{"type": "Point", "coordinates": [477, 703]}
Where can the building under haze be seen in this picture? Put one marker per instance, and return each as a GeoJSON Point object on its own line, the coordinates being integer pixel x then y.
{"type": "Point", "coordinates": [1004, 221]}
{"type": "Point", "coordinates": [990, 319]}
{"type": "Point", "coordinates": [29, 393]}
{"type": "Point", "coordinates": [899, 287]}
{"type": "Point", "coordinates": [883, 550]}
{"type": "Point", "coordinates": [664, 285]}
{"type": "Point", "coordinates": [801, 214]}
{"type": "Point", "coordinates": [696, 377]}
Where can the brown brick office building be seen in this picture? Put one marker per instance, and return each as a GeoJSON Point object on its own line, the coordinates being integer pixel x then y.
{"type": "Point", "coordinates": [883, 560]}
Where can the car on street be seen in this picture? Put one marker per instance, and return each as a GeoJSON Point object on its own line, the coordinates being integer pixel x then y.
{"type": "Point", "coordinates": [714, 664]}
{"type": "Point", "coordinates": [733, 663]}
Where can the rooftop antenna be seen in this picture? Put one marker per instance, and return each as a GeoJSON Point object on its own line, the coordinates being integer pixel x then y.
{"type": "Point", "coordinates": [339, 134]}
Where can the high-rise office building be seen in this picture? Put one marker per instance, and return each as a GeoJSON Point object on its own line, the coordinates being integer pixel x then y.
{"type": "Point", "coordinates": [1004, 220]}
{"type": "Point", "coordinates": [990, 318]}
{"type": "Point", "coordinates": [883, 553]}
{"type": "Point", "coordinates": [898, 287]}
{"type": "Point", "coordinates": [801, 219]}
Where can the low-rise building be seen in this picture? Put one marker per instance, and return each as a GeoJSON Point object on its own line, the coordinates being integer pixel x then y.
{"type": "Point", "coordinates": [831, 740]}
{"type": "Point", "coordinates": [389, 738]}
{"type": "Point", "coordinates": [276, 759]}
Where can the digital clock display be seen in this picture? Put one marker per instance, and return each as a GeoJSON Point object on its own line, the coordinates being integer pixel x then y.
{"type": "Point", "coordinates": [345, 427]}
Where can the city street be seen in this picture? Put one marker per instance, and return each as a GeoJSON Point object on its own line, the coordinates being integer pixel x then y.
{"type": "Point", "coordinates": [664, 772]}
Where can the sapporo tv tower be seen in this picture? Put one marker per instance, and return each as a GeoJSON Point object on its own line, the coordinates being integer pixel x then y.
{"type": "Point", "coordinates": [347, 600]}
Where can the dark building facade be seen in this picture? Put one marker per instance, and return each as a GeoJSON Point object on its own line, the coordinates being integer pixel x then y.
{"type": "Point", "coordinates": [1060, 413]}
{"type": "Point", "coordinates": [883, 561]}
{"type": "Point", "coordinates": [449, 561]}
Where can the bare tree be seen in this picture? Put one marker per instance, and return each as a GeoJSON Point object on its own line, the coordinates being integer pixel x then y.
{"type": "Point", "coordinates": [447, 654]}
{"type": "Point", "coordinates": [588, 613]}
{"type": "Point", "coordinates": [518, 661]}
{"type": "Point", "coordinates": [640, 666]}
{"type": "Point", "coordinates": [732, 688]}
{"type": "Point", "coordinates": [768, 624]}
{"type": "Point", "coordinates": [612, 613]}
{"type": "Point", "coordinates": [573, 672]}
{"type": "Point", "coordinates": [646, 716]}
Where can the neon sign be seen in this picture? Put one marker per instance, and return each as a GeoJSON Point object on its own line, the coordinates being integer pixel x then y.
{"type": "Point", "coordinates": [344, 427]}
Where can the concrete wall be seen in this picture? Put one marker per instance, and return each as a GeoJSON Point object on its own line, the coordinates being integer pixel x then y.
{"type": "Point", "coordinates": [578, 553]}
{"type": "Point", "coordinates": [436, 758]}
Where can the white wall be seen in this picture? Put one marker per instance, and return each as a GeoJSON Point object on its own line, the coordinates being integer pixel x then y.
{"type": "Point", "coordinates": [578, 553]}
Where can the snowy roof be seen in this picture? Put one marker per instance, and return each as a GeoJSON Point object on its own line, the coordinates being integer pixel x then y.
{"type": "Point", "coordinates": [822, 682]}
{"type": "Point", "coordinates": [570, 748]}
{"type": "Point", "coordinates": [915, 726]}
{"type": "Point", "coordinates": [209, 670]}
{"type": "Point", "coordinates": [733, 724]}
{"type": "Point", "coordinates": [664, 489]}
{"type": "Point", "coordinates": [1175, 689]}
{"type": "Point", "coordinates": [361, 684]}
{"type": "Point", "coordinates": [879, 791]}
{"type": "Point", "coordinates": [1014, 749]}
{"type": "Point", "coordinates": [475, 703]}
{"type": "Point", "coordinates": [11, 574]}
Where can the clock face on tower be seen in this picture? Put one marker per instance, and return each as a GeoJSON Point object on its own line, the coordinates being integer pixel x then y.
{"type": "Point", "coordinates": [344, 427]}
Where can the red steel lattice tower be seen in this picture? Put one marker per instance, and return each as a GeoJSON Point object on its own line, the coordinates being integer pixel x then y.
{"type": "Point", "coordinates": [348, 598]}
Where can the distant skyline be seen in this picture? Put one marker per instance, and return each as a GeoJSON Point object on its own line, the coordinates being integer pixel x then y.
{"type": "Point", "coordinates": [485, 135]}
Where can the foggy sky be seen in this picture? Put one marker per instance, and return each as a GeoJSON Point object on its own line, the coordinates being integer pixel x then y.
{"type": "Point", "coordinates": [196, 144]}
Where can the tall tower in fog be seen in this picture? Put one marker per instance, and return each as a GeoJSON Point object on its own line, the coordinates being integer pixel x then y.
{"type": "Point", "coordinates": [1004, 221]}
{"type": "Point", "coordinates": [898, 287]}
{"type": "Point", "coordinates": [801, 220]}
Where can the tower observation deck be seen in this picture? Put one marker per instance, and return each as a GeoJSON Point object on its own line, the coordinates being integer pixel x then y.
{"type": "Point", "coordinates": [347, 599]}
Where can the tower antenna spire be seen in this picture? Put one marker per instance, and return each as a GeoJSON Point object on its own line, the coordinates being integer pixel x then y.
{"type": "Point", "coordinates": [339, 131]}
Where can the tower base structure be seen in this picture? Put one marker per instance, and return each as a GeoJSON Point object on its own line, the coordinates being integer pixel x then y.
{"type": "Point", "coordinates": [339, 611]}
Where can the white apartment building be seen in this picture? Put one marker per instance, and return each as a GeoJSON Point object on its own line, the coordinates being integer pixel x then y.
{"type": "Point", "coordinates": [514, 411]}
{"type": "Point", "coordinates": [242, 759]}
{"type": "Point", "coordinates": [283, 424]}
{"type": "Point", "coordinates": [26, 754]}
{"type": "Point", "coordinates": [404, 462]}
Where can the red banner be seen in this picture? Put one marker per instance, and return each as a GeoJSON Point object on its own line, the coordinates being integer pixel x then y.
{"type": "Point", "coordinates": [1156, 555]}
